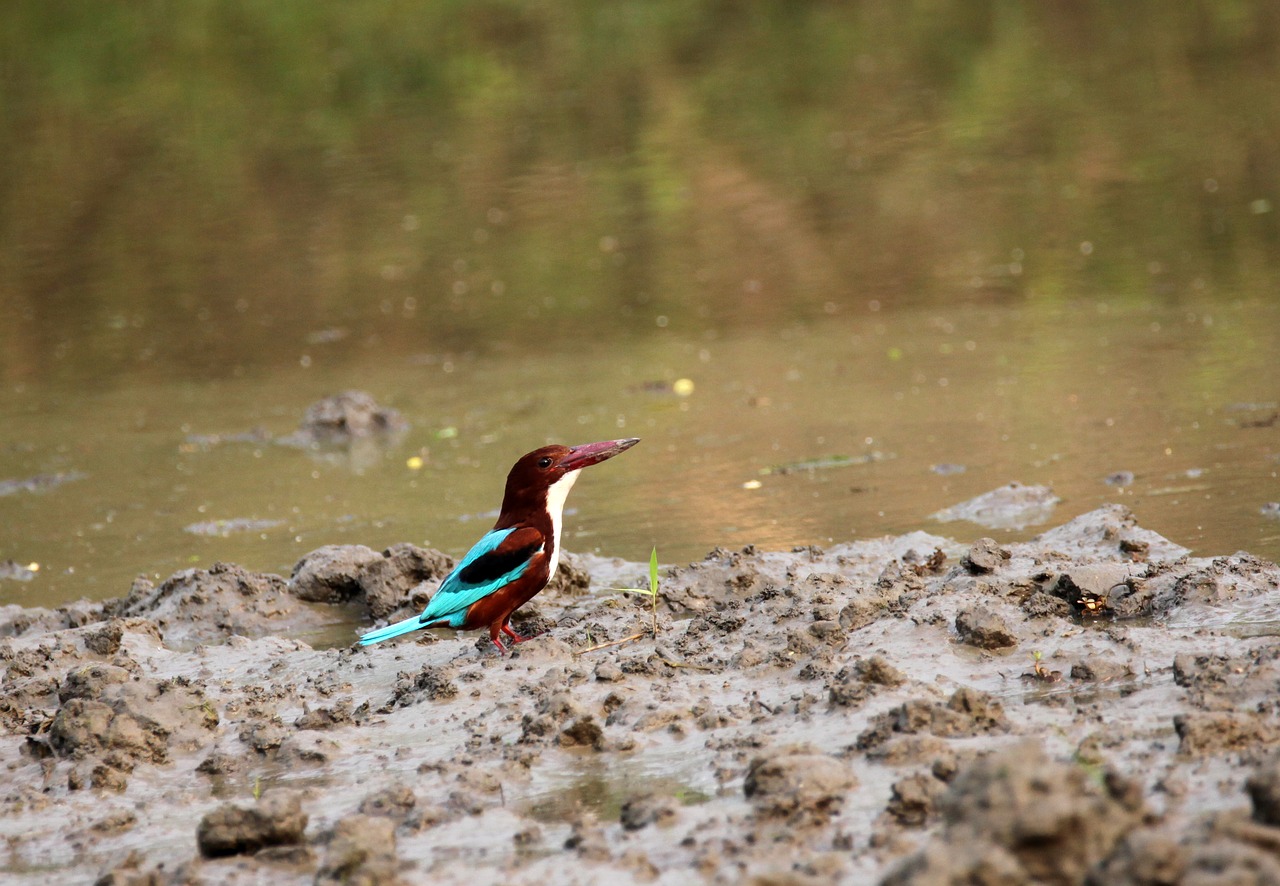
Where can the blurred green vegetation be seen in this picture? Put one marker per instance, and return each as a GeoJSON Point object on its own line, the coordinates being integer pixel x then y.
{"type": "Point", "coordinates": [197, 186]}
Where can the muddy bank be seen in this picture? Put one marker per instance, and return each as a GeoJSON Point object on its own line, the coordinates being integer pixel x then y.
{"type": "Point", "coordinates": [1092, 706]}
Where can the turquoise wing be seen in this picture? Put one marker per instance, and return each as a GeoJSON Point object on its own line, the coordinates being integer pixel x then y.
{"type": "Point", "coordinates": [494, 562]}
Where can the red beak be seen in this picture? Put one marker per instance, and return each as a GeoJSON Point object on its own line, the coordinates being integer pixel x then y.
{"type": "Point", "coordinates": [593, 453]}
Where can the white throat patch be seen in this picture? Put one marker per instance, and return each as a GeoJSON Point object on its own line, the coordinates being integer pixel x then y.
{"type": "Point", "coordinates": [557, 492]}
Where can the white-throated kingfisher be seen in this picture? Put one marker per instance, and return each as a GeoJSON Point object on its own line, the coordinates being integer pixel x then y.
{"type": "Point", "coordinates": [518, 556]}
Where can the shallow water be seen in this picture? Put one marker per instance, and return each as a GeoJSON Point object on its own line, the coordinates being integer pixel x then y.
{"type": "Point", "coordinates": [901, 261]}
{"type": "Point", "coordinates": [977, 387]}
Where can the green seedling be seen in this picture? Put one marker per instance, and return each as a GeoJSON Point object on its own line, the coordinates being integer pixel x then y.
{"type": "Point", "coordinates": [1040, 672]}
{"type": "Point", "coordinates": [651, 592]}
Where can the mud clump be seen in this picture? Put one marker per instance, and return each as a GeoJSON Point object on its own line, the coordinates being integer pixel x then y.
{"type": "Point", "coordinates": [92, 682]}
{"type": "Point", "coordinates": [107, 724]}
{"type": "Point", "coordinates": [867, 604]}
{"type": "Point", "coordinates": [344, 418]}
{"type": "Point", "coordinates": [1010, 507]}
{"type": "Point", "coordinates": [552, 715]}
{"type": "Point", "coordinates": [981, 627]}
{"type": "Point", "coordinates": [570, 578]}
{"type": "Point", "coordinates": [399, 582]}
{"type": "Point", "coordinates": [331, 574]}
{"type": "Point", "coordinates": [914, 799]}
{"type": "Point", "coordinates": [1201, 734]}
{"type": "Point", "coordinates": [276, 820]}
{"type": "Point", "coordinates": [798, 784]}
{"type": "Point", "coordinates": [1019, 817]}
{"type": "Point", "coordinates": [361, 850]}
{"type": "Point", "coordinates": [967, 712]}
{"type": "Point", "coordinates": [205, 606]}
{"type": "Point", "coordinates": [393, 802]}
{"type": "Point", "coordinates": [583, 732]}
{"type": "Point", "coordinates": [431, 684]}
{"type": "Point", "coordinates": [984, 556]}
{"type": "Point", "coordinates": [1224, 580]}
{"type": "Point", "coordinates": [1264, 790]}
{"type": "Point", "coordinates": [646, 809]}
{"type": "Point", "coordinates": [854, 684]}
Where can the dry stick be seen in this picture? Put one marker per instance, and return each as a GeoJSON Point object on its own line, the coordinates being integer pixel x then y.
{"type": "Point", "coordinates": [683, 664]}
{"type": "Point", "coordinates": [610, 643]}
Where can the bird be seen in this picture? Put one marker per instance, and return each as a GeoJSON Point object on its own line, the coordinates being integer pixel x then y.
{"type": "Point", "coordinates": [517, 557]}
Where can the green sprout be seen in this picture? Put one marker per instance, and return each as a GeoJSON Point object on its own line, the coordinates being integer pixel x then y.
{"type": "Point", "coordinates": [651, 592]}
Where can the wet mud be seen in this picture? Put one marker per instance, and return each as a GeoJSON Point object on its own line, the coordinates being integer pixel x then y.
{"type": "Point", "coordinates": [1093, 706]}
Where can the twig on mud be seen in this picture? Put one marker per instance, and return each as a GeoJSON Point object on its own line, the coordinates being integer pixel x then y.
{"type": "Point", "coordinates": [611, 643]}
{"type": "Point", "coordinates": [683, 664]}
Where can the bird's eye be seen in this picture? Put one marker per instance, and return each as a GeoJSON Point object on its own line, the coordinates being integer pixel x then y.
{"type": "Point", "coordinates": [544, 462]}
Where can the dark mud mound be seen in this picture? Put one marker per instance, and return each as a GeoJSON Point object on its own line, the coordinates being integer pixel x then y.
{"type": "Point", "coordinates": [343, 419]}
{"type": "Point", "coordinates": [400, 579]}
{"type": "Point", "coordinates": [211, 605]}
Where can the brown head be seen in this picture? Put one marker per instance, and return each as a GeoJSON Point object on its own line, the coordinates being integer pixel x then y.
{"type": "Point", "coordinates": [542, 478]}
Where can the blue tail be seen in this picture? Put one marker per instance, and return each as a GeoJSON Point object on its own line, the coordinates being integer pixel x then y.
{"type": "Point", "coordinates": [395, 630]}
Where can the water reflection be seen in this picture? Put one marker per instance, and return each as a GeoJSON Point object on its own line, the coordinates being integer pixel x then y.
{"type": "Point", "coordinates": [1039, 243]}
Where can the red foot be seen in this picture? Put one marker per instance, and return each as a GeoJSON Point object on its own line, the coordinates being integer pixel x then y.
{"type": "Point", "coordinates": [515, 638]}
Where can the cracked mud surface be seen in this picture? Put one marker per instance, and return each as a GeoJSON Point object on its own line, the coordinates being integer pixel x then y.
{"type": "Point", "coordinates": [1092, 706]}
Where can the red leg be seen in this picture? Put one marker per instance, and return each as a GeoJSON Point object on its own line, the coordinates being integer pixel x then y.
{"type": "Point", "coordinates": [493, 635]}
{"type": "Point", "coordinates": [515, 638]}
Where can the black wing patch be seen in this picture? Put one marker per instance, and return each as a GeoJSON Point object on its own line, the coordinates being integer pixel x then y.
{"type": "Point", "coordinates": [496, 564]}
